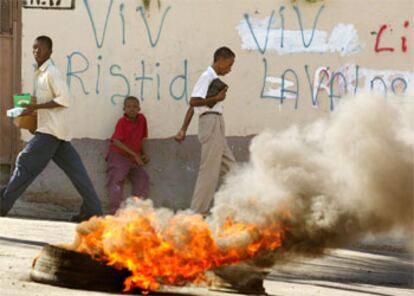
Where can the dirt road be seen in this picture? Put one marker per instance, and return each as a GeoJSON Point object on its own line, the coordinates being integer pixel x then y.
{"type": "Point", "coordinates": [343, 272]}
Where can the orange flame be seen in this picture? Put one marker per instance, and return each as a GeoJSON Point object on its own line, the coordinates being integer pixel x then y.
{"type": "Point", "coordinates": [176, 252]}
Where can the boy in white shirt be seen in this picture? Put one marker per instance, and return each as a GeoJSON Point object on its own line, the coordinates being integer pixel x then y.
{"type": "Point", "coordinates": [216, 156]}
{"type": "Point", "coordinates": [51, 139]}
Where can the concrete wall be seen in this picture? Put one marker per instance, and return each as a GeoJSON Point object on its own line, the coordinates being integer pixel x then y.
{"type": "Point", "coordinates": [294, 63]}
{"type": "Point", "coordinates": [173, 171]}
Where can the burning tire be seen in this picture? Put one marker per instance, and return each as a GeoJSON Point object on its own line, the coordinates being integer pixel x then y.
{"type": "Point", "coordinates": [60, 267]}
{"type": "Point", "coordinates": [242, 278]}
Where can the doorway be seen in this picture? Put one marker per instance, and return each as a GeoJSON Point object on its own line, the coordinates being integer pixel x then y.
{"type": "Point", "coordinates": [10, 80]}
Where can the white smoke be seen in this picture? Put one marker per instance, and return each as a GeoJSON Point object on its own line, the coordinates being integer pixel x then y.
{"type": "Point", "coordinates": [338, 179]}
{"type": "Point", "coordinates": [328, 184]}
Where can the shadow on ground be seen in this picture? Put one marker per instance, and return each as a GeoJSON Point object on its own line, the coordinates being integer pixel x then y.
{"type": "Point", "coordinates": [388, 269]}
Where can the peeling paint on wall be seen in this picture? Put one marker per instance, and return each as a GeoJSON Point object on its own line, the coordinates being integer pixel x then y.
{"type": "Point", "coordinates": [268, 34]}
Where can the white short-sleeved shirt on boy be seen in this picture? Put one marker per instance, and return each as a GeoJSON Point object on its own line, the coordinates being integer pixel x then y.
{"type": "Point", "coordinates": [49, 85]}
{"type": "Point", "coordinates": [200, 91]}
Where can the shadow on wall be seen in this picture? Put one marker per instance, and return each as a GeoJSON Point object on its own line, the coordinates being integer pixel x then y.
{"type": "Point", "coordinates": [4, 174]}
{"type": "Point", "coordinates": [173, 171]}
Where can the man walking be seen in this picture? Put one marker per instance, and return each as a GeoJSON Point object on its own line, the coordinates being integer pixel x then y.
{"type": "Point", "coordinates": [51, 139]}
{"type": "Point", "coordinates": [216, 156]}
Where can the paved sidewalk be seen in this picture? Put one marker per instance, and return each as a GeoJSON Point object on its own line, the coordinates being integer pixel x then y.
{"type": "Point", "coordinates": [343, 272]}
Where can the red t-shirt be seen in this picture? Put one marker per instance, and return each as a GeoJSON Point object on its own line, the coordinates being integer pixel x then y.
{"type": "Point", "coordinates": [130, 133]}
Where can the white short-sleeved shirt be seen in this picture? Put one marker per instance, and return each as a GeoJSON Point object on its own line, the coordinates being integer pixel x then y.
{"type": "Point", "coordinates": [49, 85]}
{"type": "Point", "coordinates": [200, 91]}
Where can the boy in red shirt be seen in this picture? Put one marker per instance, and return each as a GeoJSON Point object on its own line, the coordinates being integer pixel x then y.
{"type": "Point", "coordinates": [126, 156]}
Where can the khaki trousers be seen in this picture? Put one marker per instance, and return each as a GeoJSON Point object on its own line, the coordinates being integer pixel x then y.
{"type": "Point", "coordinates": [216, 160]}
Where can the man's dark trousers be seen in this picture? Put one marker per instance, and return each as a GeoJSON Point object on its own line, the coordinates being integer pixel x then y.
{"type": "Point", "coordinates": [33, 159]}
